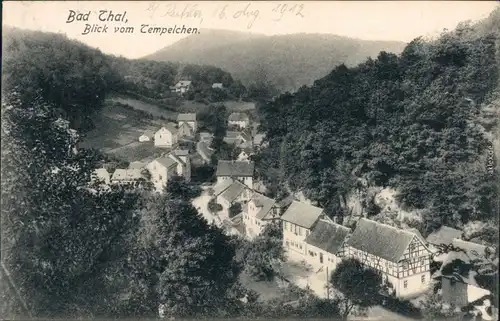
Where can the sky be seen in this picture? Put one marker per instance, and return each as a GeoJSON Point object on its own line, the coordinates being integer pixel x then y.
{"type": "Point", "coordinates": [369, 20]}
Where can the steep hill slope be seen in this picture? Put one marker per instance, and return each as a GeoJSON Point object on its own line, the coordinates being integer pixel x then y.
{"type": "Point", "coordinates": [287, 61]}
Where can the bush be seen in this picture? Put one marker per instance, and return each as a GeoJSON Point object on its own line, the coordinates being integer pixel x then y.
{"type": "Point", "coordinates": [214, 207]}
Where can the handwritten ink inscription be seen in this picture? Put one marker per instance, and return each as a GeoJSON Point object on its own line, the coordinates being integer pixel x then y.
{"type": "Point", "coordinates": [249, 12]}
{"type": "Point", "coordinates": [283, 9]}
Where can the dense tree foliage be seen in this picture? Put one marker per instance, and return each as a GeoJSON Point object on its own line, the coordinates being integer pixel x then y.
{"type": "Point", "coordinates": [71, 76]}
{"type": "Point", "coordinates": [357, 286]}
{"type": "Point", "coordinates": [264, 255]}
{"type": "Point", "coordinates": [64, 236]}
{"type": "Point", "coordinates": [409, 122]}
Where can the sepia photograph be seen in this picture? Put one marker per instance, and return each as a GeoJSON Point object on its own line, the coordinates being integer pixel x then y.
{"type": "Point", "coordinates": [166, 160]}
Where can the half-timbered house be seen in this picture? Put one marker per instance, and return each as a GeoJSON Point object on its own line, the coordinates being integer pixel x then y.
{"type": "Point", "coordinates": [399, 255]}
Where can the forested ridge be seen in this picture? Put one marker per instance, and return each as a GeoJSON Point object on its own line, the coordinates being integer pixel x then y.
{"type": "Point", "coordinates": [421, 123]}
{"type": "Point", "coordinates": [76, 78]}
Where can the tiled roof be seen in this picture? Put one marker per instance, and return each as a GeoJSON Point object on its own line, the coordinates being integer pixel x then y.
{"type": "Point", "coordinates": [181, 152]}
{"type": "Point", "coordinates": [238, 117]}
{"type": "Point", "coordinates": [127, 174]}
{"type": "Point", "coordinates": [265, 204]}
{"type": "Point", "coordinates": [444, 236]}
{"type": "Point", "coordinates": [302, 214]}
{"type": "Point", "coordinates": [166, 161]}
{"type": "Point", "coordinates": [233, 191]}
{"type": "Point", "coordinates": [222, 186]}
{"type": "Point", "coordinates": [328, 236]}
{"type": "Point", "coordinates": [136, 165]}
{"type": "Point", "coordinates": [235, 168]}
{"type": "Point", "coordinates": [381, 240]}
{"type": "Point", "coordinates": [186, 117]}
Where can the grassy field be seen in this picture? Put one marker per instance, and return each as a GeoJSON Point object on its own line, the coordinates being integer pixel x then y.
{"type": "Point", "coordinates": [193, 106]}
{"type": "Point", "coordinates": [117, 130]}
{"type": "Point", "coordinates": [155, 110]}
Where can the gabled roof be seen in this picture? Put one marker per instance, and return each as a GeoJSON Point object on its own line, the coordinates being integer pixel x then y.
{"type": "Point", "coordinates": [286, 201]}
{"type": "Point", "coordinates": [181, 152]}
{"type": "Point", "coordinates": [418, 234]}
{"type": "Point", "coordinates": [235, 168]}
{"type": "Point", "coordinates": [238, 117]}
{"type": "Point", "coordinates": [170, 127]}
{"type": "Point", "coordinates": [149, 133]}
{"type": "Point", "coordinates": [473, 250]}
{"type": "Point", "coordinates": [381, 240]}
{"type": "Point", "coordinates": [222, 186]}
{"type": "Point", "coordinates": [328, 236]}
{"type": "Point", "coordinates": [247, 137]}
{"type": "Point", "coordinates": [136, 165]}
{"type": "Point", "coordinates": [302, 214]}
{"type": "Point", "coordinates": [185, 124]}
{"type": "Point", "coordinates": [127, 174]}
{"type": "Point", "coordinates": [265, 204]}
{"type": "Point", "coordinates": [166, 161]}
{"type": "Point", "coordinates": [233, 191]}
{"type": "Point", "coordinates": [177, 159]}
{"type": "Point", "coordinates": [444, 236]}
{"type": "Point", "coordinates": [233, 134]}
{"type": "Point", "coordinates": [182, 83]}
{"type": "Point", "coordinates": [186, 117]}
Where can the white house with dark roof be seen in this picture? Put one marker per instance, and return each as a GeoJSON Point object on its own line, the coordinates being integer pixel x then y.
{"type": "Point", "coordinates": [189, 119]}
{"type": "Point", "coordinates": [238, 170]}
{"type": "Point", "coordinates": [260, 211]}
{"type": "Point", "coordinates": [236, 192]}
{"type": "Point", "coordinates": [147, 136]}
{"type": "Point", "coordinates": [459, 284]}
{"type": "Point", "coordinates": [326, 244]}
{"type": "Point", "coordinates": [175, 163]}
{"type": "Point", "coordinates": [181, 86]}
{"type": "Point", "coordinates": [167, 136]}
{"type": "Point", "coordinates": [400, 255]}
{"type": "Point", "coordinates": [239, 119]}
{"type": "Point", "coordinates": [298, 222]}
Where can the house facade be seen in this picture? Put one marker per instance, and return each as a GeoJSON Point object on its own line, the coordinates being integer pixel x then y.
{"type": "Point", "coordinates": [399, 255]}
{"type": "Point", "coordinates": [175, 163]}
{"type": "Point", "coordinates": [298, 222]}
{"type": "Point", "coordinates": [239, 119]}
{"type": "Point", "coordinates": [188, 118]}
{"type": "Point", "coordinates": [167, 136]}
{"type": "Point", "coordinates": [326, 245]}
{"type": "Point", "coordinates": [181, 86]}
{"type": "Point", "coordinates": [238, 170]}
{"type": "Point", "coordinates": [260, 211]}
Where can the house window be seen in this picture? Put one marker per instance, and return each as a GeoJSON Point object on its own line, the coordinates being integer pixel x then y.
{"type": "Point", "coordinates": [300, 231]}
{"type": "Point", "coordinates": [287, 244]}
{"type": "Point", "coordinates": [321, 258]}
{"type": "Point", "coordinates": [300, 246]}
{"type": "Point", "coordinates": [405, 284]}
{"type": "Point", "coordinates": [161, 178]}
{"type": "Point", "coordinates": [295, 229]}
{"type": "Point", "coordinates": [307, 232]}
{"type": "Point", "coordinates": [422, 278]}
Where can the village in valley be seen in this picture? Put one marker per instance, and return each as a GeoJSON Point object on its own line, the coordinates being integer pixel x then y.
{"type": "Point", "coordinates": [314, 243]}
{"type": "Point", "coordinates": [237, 174]}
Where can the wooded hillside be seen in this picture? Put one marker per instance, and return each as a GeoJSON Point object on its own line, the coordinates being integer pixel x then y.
{"type": "Point", "coordinates": [414, 122]}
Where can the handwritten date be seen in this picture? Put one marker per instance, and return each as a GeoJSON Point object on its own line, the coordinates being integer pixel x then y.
{"type": "Point", "coordinates": [283, 9]}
